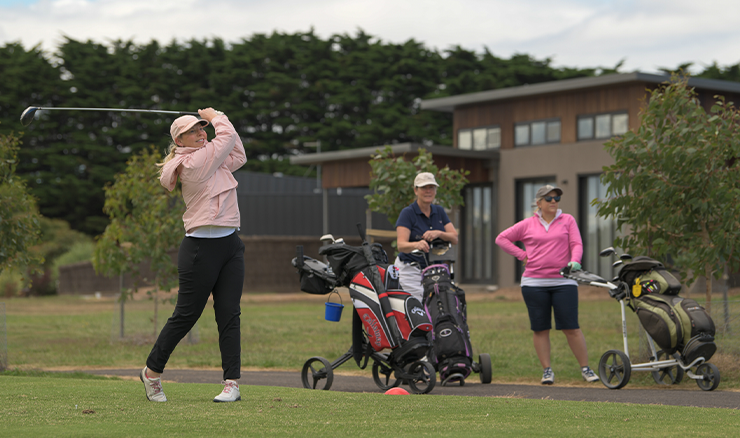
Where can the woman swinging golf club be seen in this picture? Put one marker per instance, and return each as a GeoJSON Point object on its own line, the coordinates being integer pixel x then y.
{"type": "Point", "coordinates": [211, 256]}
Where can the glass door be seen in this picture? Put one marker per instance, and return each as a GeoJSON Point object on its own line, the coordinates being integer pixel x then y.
{"type": "Point", "coordinates": [476, 239]}
{"type": "Point", "coordinates": [597, 232]}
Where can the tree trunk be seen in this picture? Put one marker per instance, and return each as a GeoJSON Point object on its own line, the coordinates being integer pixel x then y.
{"type": "Point", "coordinates": [156, 308]}
{"type": "Point", "coordinates": [122, 298]}
{"type": "Point", "coordinates": [708, 277]}
{"type": "Point", "coordinates": [725, 300]}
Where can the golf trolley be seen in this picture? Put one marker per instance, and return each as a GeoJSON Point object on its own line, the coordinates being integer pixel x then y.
{"type": "Point", "coordinates": [445, 303]}
{"type": "Point", "coordinates": [667, 367]}
{"type": "Point", "coordinates": [389, 326]}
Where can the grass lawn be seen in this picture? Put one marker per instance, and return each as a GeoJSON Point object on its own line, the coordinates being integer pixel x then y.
{"type": "Point", "coordinates": [281, 332]}
{"type": "Point", "coordinates": [81, 407]}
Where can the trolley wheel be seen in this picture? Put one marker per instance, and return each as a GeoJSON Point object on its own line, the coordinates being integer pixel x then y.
{"type": "Point", "coordinates": [382, 376]}
{"type": "Point", "coordinates": [710, 374]}
{"type": "Point", "coordinates": [425, 377]}
{"type": "Point", "coordinates": [485, 368]}
{"type": "Point", "coordinates": [614, 369]}
{"type": "Point", "coordinates": [671, 375]}
{"type": "Point", "coordinates": [325, 372]}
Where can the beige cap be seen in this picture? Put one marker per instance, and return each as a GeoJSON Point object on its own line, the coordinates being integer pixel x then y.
{"type": "Point", "coordinates": [544, 190]}
{"type": "Point", "coordinates": [182, 124]}
{"type": "Point", "coordinates": [425, 179]}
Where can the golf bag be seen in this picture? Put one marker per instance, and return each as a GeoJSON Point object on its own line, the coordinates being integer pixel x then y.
{"type": "Point", "coordinates": [389, 317]}
{"type": "Point", "coordinates": [445, 304]}
{"type": "Point", "coordinates": [676, 324]}
{"type": "Point", "coordinates": [316, 277]}
{"type": "Point", "coordinates": [648, 275]}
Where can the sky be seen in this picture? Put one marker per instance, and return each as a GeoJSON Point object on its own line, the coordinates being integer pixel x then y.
{"type": "Point", "coordinates": [645, 34]}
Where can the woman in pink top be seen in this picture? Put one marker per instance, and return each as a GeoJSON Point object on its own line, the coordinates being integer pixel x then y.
{"type": "Point", "coordinates": [551, 240]}
{"type": "Point", "coordinates": [211, 256]}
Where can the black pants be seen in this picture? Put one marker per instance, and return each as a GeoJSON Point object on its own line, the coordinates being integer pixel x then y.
{"type": "Point", "coordinates": [205, 266]}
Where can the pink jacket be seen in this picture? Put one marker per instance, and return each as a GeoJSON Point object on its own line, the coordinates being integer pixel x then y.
{"type": "Point", "coordinates": [208, 187]}
{"type": "Point", "coordinates": [547, 251]}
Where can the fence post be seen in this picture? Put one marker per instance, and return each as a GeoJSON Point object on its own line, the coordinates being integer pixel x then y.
{"type": "Point", "coordinates": [725, 287]}
{"type": "Point", "coordinates": [3, 340]}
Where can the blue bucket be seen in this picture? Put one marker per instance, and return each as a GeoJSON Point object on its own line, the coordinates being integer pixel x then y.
{"type": "Point", "coordinates": [334, 310]}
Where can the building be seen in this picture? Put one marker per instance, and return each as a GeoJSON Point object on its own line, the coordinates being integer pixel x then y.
{"type": "Point", "coordinates": [514, 140]}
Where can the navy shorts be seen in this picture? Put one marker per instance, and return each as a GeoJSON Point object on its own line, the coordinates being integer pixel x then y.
{"type": "Point", "coordinates": [542, 301]}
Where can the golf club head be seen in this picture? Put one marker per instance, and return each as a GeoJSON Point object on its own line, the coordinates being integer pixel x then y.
{"type": "Point", "coordinates": [327, 237]}
{"type": "Point", "coordinates": [625, 257]}
{"type": "Point", "coordinates": [607, 252]}
{"type": "Point", "coordinates": [617, 263]}
{"type": "Point", "coordinates": [28, 114]}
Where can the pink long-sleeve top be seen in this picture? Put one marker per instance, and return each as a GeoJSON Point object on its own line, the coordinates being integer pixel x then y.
{"type": "Point", "coordinates": [546, 250]}
{"type": "Point", "coordinates": [208, 186]}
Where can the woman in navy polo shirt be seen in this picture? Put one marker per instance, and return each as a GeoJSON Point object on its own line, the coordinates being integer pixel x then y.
{"type": "Point", "coordinates": [418, 224]}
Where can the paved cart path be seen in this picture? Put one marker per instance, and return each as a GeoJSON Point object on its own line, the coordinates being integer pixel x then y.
{"type": "Point", "coordinates": [684, 394]}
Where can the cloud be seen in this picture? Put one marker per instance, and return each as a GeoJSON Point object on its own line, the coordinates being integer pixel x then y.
{"type": "Point", "coordinates": [649, 34]}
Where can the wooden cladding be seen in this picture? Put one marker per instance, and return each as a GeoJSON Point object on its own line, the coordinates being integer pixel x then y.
{"type": "Point", "coordinates": [356, 173]}
{"type": "Point", "coordinates": [566, 106]}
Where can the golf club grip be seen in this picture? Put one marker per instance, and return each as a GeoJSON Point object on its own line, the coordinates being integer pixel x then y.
{"type": "Point", "coordinates": [299, 255]}
{"type": "Point", "coordinates": [361, 230]}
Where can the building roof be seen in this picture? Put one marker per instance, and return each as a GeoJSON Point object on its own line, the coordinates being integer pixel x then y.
{"type": "Point", "coordinates": [398, 149]}
{"type": "Point", "coordinates": [448, 104]}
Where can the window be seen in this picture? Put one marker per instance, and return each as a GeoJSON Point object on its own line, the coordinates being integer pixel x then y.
{"type": "Point", "coordinates": [585, 128]}
{"type": "Point", "coordinates": [597, 126]}
{"type": "Point", "coordinates": [537, 132]}
{"type": "Point", "coordinates": [479, 139]}
{"type": "Point", "coordinates": [494, 138]}
{"type": "Point", "coordinates": [597, 232]}
{"type": "Point", "coordinates": [521, 135]}
{"type": "Point", "coordinates": [465, 139]}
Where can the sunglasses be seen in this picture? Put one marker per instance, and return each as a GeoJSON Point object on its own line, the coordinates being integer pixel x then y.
{"type": "Point", "coordinates": [550, 198]}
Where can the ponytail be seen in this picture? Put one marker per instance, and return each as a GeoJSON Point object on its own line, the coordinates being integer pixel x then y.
{"type": "Point", "coordinates": [170, 155]}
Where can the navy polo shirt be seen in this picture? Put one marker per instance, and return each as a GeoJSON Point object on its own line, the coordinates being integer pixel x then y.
{"type": "Point", "coordinates": [412, 218]}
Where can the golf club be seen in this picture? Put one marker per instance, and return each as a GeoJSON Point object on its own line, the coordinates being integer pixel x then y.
{"type": "Point", "coordinates": [28, 114]}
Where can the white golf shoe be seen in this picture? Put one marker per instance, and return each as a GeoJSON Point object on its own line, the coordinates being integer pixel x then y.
{"type": "Point", "coordinates": [230, 392]}
{"type": "Point", "coordinates": [154, 391]}
{"type": "Point", "coordinates": [589, 375]}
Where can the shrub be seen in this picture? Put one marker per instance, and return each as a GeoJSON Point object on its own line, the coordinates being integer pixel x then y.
{"type": "Point", "coordinates": [57, 239]}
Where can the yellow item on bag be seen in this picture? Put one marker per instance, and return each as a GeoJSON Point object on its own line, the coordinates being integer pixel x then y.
{"type": "Point", "coordinates": [637, 288]}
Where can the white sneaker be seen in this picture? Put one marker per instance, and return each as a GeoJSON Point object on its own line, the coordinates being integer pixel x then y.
{"type": "Point", "coordinates": [154, 391]}
{"type": "Point", "coordinates": [230, 392]}
{"type": "Point", "coordinates": [548, 377]}
{"type": "Point", "coordinates": [588, 374]}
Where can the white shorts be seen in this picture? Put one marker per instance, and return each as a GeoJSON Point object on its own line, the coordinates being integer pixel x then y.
{"type": "Point", "coordinates": [410, 279]}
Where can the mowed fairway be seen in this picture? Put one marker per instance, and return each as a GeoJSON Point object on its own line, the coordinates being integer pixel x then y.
{"type": "Point", "coordinates": [281, 332]}
{"type": "Point", "coordinates": [69, 407]}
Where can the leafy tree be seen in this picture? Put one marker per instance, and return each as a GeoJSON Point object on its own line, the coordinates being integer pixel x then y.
{"type": "Point", "coordinates": [676, 183]}
{"type": "Point", "coordinates": [393, 182]}
{"type": "Point", "coordinates": [19, 218]}
{"type": "Point", "coordinates": [145, 223]}
{"type": "Point", "coordinates": [280, 91]}
{"type": "Point", "coordinates": [727, 73]}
